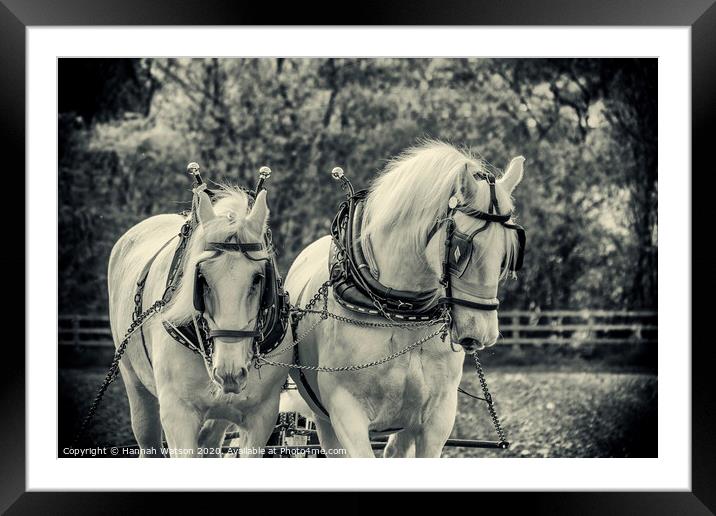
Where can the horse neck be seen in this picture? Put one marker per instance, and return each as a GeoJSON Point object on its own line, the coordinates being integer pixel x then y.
{"type": "Point", "coordinates": [399, 270]}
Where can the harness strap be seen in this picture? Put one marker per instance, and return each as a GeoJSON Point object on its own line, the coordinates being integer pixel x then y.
{"type": "Point", "coordinates": [309, 390]}
{"type": "Point", "coordinates": [234, 246]}
{"type": "Point", "coordinates": [489, 217]}
{"type": "Point", "coordinates": [449, 300]}
{"type": "Point", "coordinates": [146, 350]}
{"type": "Point", "coordinates": [235, 334]}
{"type": "Point", "coordinates": [138, 297]}
{"type": "Point", "coordinates": [301, 375]}
{"type": "Point", "coordinates": [445, 279]}
{"type": "Point", "coordinates": [175, 269]}
{"type": "Point", "coordinates": [494, 205]}
{"type": "Point", "coordinates": [145, 271]}
{"type": "Point", "coordinates": [386, 295]}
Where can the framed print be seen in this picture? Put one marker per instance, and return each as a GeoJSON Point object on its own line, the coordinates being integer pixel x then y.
{"type": "Point", "coordinates": [438, 240]}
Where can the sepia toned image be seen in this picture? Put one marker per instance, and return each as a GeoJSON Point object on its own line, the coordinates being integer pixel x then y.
{"type": "Point", "coordinates": [357, 257]}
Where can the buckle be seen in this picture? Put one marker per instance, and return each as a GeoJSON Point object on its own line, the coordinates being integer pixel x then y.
{"type": "Point", "coordinates": [168, 293]}
{"type": "Point", "coordinates": [402, 304]}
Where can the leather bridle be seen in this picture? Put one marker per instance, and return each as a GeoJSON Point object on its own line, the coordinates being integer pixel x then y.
{"type": "Point", "coordinates": [458, 246]}
{"type": "Point", "coordinates": [199, 304]}
{"type": "Point", "coordinates": [272, 317]}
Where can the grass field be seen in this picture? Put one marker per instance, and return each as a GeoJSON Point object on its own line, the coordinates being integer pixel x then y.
{"type": "Point", "coordinates": [546, 413]}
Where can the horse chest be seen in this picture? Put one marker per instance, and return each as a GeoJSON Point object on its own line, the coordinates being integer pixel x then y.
{"type": "Point", "coordinates": [221, 409]}
{"type": "Point", "coordinates": [396, 394]}
{"type": "Point", "coordinates": [398, 397]}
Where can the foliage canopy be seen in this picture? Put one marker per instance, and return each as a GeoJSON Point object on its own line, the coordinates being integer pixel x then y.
{"type": "Point", "coordinates": [586, 126]}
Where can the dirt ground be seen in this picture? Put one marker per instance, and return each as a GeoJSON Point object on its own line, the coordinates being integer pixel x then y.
{"type": "Point", "coordinates": [545, 413]}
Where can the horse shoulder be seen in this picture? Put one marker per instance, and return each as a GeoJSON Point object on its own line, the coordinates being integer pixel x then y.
{"type": "Point", "coordinates": [310, 266]}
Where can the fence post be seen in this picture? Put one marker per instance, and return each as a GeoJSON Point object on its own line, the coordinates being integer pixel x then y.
{"type": "Point", "coordinates": [76, 330]}
{"type": "Point", "coordinates": [557, 321]}
{"type": "Point", "coordinates": [590, 325]}
{"type": "Point", "coordinates": [515, 333]}
{"type": "Point", "coordinates": [637, 331]}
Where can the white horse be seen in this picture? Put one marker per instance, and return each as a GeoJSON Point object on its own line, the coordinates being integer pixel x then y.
{"type": "Point", "coordinates": [169, 387]}
{"type": "Point", "coordinates": [414, 397]}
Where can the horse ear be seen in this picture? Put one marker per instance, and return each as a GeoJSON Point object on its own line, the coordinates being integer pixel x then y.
{"type": "Point", "coordinates": [206, 210]}
{"type": "Point", "coordinates": [257, 219]}
{"type": "Point", "coordinates": [513, 175]}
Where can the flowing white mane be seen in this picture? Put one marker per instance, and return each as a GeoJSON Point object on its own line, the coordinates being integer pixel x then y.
{"type": "Point", "coordinates": [413, 191]}
{"type": "Point", "coordinates": [231, 208]}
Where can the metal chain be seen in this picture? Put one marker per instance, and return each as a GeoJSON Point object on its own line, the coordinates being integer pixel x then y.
{"type": "Point", "coordinates": [410, 325]}
{"type": "Point", "coordinates": [488, 398]}
{"type": "Point", "coordinates": [261, 359]}
{"type": "Point", "coordinates": [322, 292]}
{"type": "Point", "coordinates": [137, 323]}
{"type": "Point", "coordinates": [296, 342]}
{"type": "Point", "coordinates": [298, 313]}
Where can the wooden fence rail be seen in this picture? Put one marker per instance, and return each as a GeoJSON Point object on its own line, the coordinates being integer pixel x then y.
{"type": "Point", "coordinates": [562, 327]}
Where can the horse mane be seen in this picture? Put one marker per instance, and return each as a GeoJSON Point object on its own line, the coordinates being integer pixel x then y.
{"type": "Point", "coordinates": [231, 206]}
{"type": "Point", "coordinates": [413, 191]}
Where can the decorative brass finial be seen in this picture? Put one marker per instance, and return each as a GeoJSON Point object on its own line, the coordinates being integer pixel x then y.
{"type": "Point", "coordinates": [193, 168]}
{"type": "Point", "coordinates": [337, 173]}
{"type": "Point", "coordinates": [264, 172]}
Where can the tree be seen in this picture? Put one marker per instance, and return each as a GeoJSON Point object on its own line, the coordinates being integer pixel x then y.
{"type": "Point", "coordinates": [586, 126]}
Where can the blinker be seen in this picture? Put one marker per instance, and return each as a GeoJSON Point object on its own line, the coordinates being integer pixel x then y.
{"type": "Point", "coordinates": [460, 253]}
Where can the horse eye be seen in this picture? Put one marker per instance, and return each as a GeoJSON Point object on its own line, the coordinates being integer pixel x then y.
{"type": "Point", "coordinates": [257, 279]}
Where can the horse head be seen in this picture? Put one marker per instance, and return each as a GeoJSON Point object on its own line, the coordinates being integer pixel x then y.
{"type": "Point", "coordinates": [229, 285]}
{"type": "Point", "coordinates": [484, 247]}
{"type": "Point", "coordinates": [440, 222]}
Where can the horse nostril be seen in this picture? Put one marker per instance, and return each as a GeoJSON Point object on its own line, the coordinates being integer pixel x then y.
{"type": "Point", "coordinates": [231, 382]}
{"type": "Point", "coordinates": [231, 386]}
{"type": "Point", "coordinates": [470, 344]}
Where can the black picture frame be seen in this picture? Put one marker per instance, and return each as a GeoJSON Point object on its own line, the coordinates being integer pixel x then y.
{"type": "Point", "coordinates": [700, 15]}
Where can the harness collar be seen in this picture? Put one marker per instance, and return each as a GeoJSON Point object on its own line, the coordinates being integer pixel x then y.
{"type": "Point", "coordinates": [355, 287]}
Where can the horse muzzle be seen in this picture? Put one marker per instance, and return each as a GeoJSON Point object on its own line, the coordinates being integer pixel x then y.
{"type": "Point", "coordinates": [231, 382]}
{"type": "Point", "coordinates": [471, 345]}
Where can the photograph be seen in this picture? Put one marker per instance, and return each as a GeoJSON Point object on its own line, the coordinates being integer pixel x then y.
{"type": "Point", "coordinates": [357, 257]}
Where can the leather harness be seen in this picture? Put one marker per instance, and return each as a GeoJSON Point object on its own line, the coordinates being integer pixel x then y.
{"type": "Point", "coordinates": [354, 287]}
